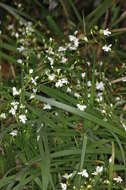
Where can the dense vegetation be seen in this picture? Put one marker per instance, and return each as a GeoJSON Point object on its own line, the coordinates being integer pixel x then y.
{"type": "Point", "coordinates": [62, 95]}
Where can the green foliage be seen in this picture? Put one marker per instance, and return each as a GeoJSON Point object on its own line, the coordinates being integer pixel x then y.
{"type": "Point", "coordinates": [62, 112]}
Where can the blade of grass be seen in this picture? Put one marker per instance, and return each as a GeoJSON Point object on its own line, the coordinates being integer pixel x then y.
{"type": "Point", "coordinates": [9, 58]}
{"type": "Point", "coordinates": [122, 151]}
{"type": "Point", "coordinates": [54, 27]}
{"type": "Point", "coordinates": [94, 16]}
{"type": "Point", "coordinates": [65, 8]}
{"type": "Point", "coordinates": [45, 160]}
{"type": "Point", "coordinates": [93, 82]}
{"type": "Point", "coordinates": [7, 46]}
{"type": "Point", "coordinates": [75, 10]}
{"type": "Point", "coordinates": [111, 167]}
{"type": "Point", "coordinates": [38, 182]}
{"type": "Point", "coordinates": [12, 11]}
{"type": "Point", "coordinates": [57, 94]}
{"type": "Point", "coordinates": [84, 115]}
{"type": "Point", "coordinates": [83, 152]}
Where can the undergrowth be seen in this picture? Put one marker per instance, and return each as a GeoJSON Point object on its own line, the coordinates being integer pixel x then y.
{"type": "Point", "coordinates": [62, 104]}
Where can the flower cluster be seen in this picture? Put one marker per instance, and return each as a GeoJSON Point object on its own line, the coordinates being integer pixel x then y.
{"type": "Point", "coordinates": [61, 67]}
{"type": "Point", "coordinates": [17, 109]}
{"type": "Point", "coordinates": [88, 181]}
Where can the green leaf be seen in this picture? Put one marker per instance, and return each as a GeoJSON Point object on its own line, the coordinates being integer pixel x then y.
{"type": "Point", "coordinates": [84, 115]}
{"type": "Point", "coordinates": [54, 27]}
{"type": "Point", "coordinates": [95, 15]}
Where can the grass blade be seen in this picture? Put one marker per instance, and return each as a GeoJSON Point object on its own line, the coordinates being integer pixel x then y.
{"type": "Point", "coordinates": [84, 115]}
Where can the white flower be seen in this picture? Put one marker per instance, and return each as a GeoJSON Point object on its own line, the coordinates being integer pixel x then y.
{"type": "Point", "coordinates": [76, 32]}
{"type": "Point", "coordinates": [77, 95]}
{"type": "Point", "coordinates": [72, 38]}
{"type": "Point", "coordinates": [85, 39]}
{"type": "Point", "coordinates": [118, 179]}
{"type": "Point", "coordinates": [100, 86]}
{"type": "Point", "coordinates": [19, 61]}
{"type": "Point", "coordinates": [58, 71]}
{"type": "Point", "coordinates": [16, 35]}
{"type": "Point", "coordinates": [68, 89]}
{"type": "Point", "coordinates": [50, 39]}
{"type": "Point", "coordinates": [12, 111]}
{"type": "Point", "coordinates": [51, 60]}
{"type": "Point", "coordinates": [10, 27]}
{"type": "Point", "coordinates": [14, 133]}
{"type": "Point", "coordinates": [33, 81]}
{"type": "Point", "coordinates": [72, 47]}
{"type": "Point", "coordinates": [29, 28]}
{"type": "Point", "coordinates": [117, 99]}
{"type": "Point", "coordinates": [89, 83]}
{"type": "Point", "coordinates": [13, 108]}
{"type": "Point", "coordinates": [63, 60]}
{"type": "Point", "coordinates": [22, 118]}
{"type": "Point", "coordinates": [110, 159]}
{"type": "Point", "coordinates": [83, 75]}
{"type": "Point", "coordinates": [89, 186]}
{"type": "Point", "coordinates": [3, 116]}
{"type": "Point", "coordinates": [56, 114]}
{"type": "Point", "coordinates": [107, 48]}
{"type": "Point", "coordinates": [61, 49]}
{"type": "Point", "coordinates": [99, 169]}
{"type": "Point", "coordinates": [96, 73]}
{"type": "Point", "coordinates": [15, 104]}
{"type": "Point", "coordinates": [106, 32]}
{"type": "Point", "coordinates": [47, 107]}
{"type": "Point", "coordinates": [63, 186]}
{"type": "Point", "coordinates": [75, 41]}
{"type": "Point", "coordinates": [100, 63]}
{"type": "Point", "coordinates": [21, 48]}
{"type": "Point", "coordinates": [32, 96]}
{"type": "Point", "coordinates": [34, 90]}
{"type": "Point", "coordinates": [124, 125]}
{"type": "Point", "coordinates": [36, 78]}
{"type": "Point", "coordinates": [38, 55]}
{"type": "Point", "coordinates": [83, 173]}
{"type": "Point", "coordinates": [103, 111]}
{"type": "Point", "coordinates": [81, 107]}
{"type": "Point", "coordinates": [22, 106]}
{"type": "Point", "coordinates": [42, 125]}
{"type": "Point", "coordinates": [19, 5]}
{"type": "Point", "coordinates": [50, 51]}
{"type": "Point", "coordinates": [106, 181]}
{"type": "Point", "coordinates": [15, 92]}
{"type": "Point", "coordinates": [88, 63]}
{"type": "Point", "coordinates": [30, 71]}
{"type": "Point", "coordinates": [38, 137]}
{"type": "Point", "coordinates": [61, 82]}
{"type": "Point", "coordinates": [51, 77]}
{"type": "Point", "coordinates": [64, 81]}
{"type": "Point", "coordinates": [67, 176]}
{"type": "Point", "coordinates": [89, 95]}
{"type": "Point", "coordinates": [99, 97]}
